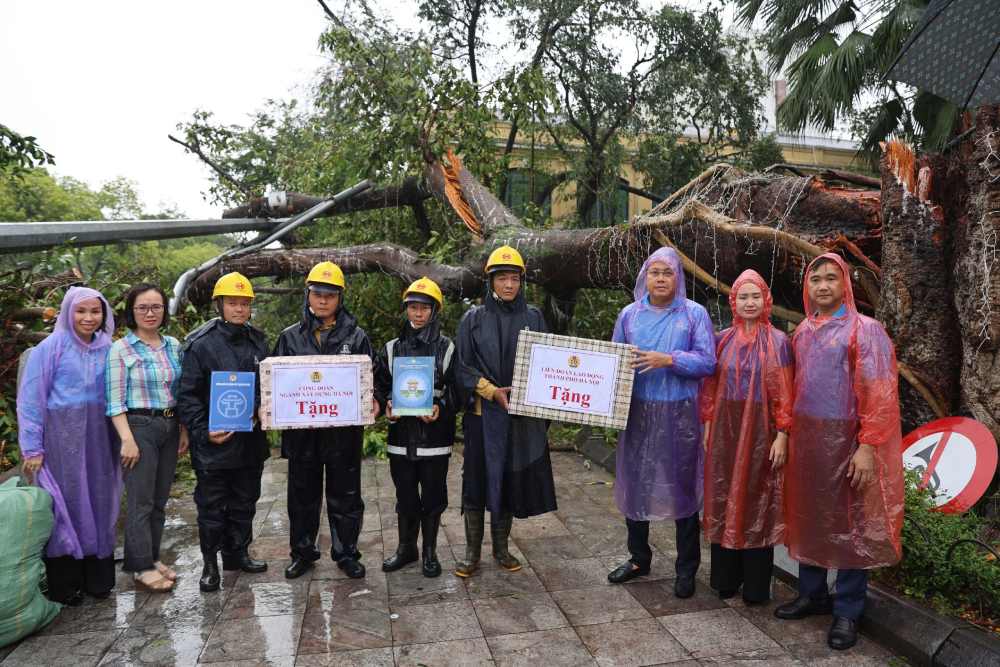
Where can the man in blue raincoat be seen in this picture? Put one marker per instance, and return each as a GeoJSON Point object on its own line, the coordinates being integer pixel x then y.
{"type": "Point", "coordinates": [659, 467]}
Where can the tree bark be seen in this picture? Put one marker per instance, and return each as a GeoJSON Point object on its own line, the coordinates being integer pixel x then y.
{"type": "Point", "coordinates": [977, 270]}
{"type": "Point", "coordinates": [916, 306]}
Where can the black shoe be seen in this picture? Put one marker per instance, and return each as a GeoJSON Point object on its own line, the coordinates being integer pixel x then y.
{"type": "Point", "coordinates": [297, 568]}
{"type": "Point", "coordinates": [843, 633]}
{"type": "Point", "coordinates": [351, 567]}
{"type": "Point", "coordinates": [243, 562]}
{"type": "Point", "coordinates": [803, 606]}
{"type": "Point", "coordinates": [74, 599]}
{"type": "Point", "coordinates": [210, 578]}
{"type": "Point", "coordinates": [626, 572]}
{"type": "Point", "coordinates": [684, 587]}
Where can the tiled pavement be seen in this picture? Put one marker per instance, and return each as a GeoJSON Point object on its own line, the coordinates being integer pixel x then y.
{"type": "Point", "coordinates": [558, 610]}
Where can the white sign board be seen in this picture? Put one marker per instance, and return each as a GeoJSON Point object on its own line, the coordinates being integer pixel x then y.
{"type": "Point", "coordinates": [572, 380]}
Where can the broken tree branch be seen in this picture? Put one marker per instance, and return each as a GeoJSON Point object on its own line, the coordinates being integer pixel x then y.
{"type": "Point", "coordinates": [196, 149]}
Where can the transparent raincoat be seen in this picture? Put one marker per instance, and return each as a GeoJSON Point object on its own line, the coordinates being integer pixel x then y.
{"type": "Point", "coordinates": [61, 415]}
{"type": "Point", "coordinates": [746, 401]}
{"type": "Point", "coordinates": [659, 464]}
{"type": "Point", "coordinates": [845, 394]}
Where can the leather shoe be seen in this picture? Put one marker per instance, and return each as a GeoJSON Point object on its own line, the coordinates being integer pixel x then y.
{"type": "Point", "coordinates": [210, 578]}
{"type": "Point", "coordinates": [297, 568]}
{"type": "Point", "coordinates": [245, 563]}
{"type": "Point", "coordinates": [803, 606]}
{"type": "Point", "coordinates": [843, 633]}
{"type": "Point", "coordinates": [684, 587]}
{"type": "Point", "coordinates": [626, 572]}
{"type": "Point", "coordinates": [351, 568]}
{"type": "Point", "coordinates": [431, 565]}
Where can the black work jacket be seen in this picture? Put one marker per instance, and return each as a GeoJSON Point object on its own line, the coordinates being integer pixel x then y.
{"type": "Point", "coordinates": [345, 337]}
{"type": "Point", "coordinates": [219, 346]}
{"type": "Point", "coordinates": [410, 436]}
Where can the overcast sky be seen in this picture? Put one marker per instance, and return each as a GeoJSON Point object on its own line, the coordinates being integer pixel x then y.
{"type": "Point", "coordinates": [102, 83]}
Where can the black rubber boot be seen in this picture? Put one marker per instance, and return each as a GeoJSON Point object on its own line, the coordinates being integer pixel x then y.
{"type": "Point", "coordinates": [406, 552]}
{"type": "Point", "coordinates": [500, 530]}
{"type": "Point", "coordinates": [430, 525]}
{"type": "Point", "coordinates": [474, 527]}
{"type": "Point", "coordinates": [210, 578]}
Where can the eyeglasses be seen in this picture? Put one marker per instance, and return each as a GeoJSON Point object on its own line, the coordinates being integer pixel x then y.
{"type": "Point", "coordinates": [143, 309]}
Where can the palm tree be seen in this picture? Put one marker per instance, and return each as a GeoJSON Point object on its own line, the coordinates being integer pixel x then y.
{"type": "Point", "coordinates": [834, 53]}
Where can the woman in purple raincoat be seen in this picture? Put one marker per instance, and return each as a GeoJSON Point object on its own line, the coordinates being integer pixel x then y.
{"type": "Point", "coordinates": [68, 444]}
{"type": "Point", "coordinates": [659, 466]}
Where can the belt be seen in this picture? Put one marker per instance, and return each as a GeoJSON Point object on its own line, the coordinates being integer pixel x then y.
{"type": "Point", "coordinates": [149, 412]}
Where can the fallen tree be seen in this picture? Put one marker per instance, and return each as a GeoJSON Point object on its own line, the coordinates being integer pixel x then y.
{"type": "Point", "coordinates": [922, 251]}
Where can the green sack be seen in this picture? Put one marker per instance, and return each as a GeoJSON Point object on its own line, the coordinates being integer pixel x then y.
{"type": "Point", "coordinates": [25, 525]}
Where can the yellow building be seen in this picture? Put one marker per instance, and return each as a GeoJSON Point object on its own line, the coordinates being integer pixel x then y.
{"type": "Point", "coordinates": [535, 158]}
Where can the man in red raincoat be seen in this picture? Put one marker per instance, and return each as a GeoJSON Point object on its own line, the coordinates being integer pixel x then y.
{"type": "Point", "coordinates": [844, 477]}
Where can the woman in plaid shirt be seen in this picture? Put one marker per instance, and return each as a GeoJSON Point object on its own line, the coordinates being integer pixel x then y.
{"type": "Point", "coordinates": [143, 372]}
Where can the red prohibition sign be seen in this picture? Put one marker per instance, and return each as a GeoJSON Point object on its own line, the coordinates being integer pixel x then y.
{"type": "Point", "coordinates": [956, 457]}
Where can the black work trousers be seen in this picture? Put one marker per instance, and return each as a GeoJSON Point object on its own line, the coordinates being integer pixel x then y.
{"type": "Point", "coordinates": [345, 509]}
{"type": "Point", "coordinates": [227, 502]}
{"type": "Point", "coordinates": [421, 485]}
{"type": "Point", "coordinates": [749, 568]}
{"type": "Point", "coordinates": [688, 544]}
{"type": "Point", "coordinates": [66, 576]}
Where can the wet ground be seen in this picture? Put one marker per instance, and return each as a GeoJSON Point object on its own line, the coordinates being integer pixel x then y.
{"type": "Point", "coordinates": [558, 610]}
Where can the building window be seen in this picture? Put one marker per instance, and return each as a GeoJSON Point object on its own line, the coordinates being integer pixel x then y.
{"type": "Point", "coordinates": [524, 187]}
{"type": "Point", "coordinates": [611, 210]}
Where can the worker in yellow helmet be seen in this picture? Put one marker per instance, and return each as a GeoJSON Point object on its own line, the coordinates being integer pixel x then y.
{"type": "Point", "coordinates": [326, 327]}
{"type": "Point", "coordinates": [228, 465]}
{"type": "Point", "coordinates": [419, 446]}
{"type": "Point", "coordinates": [487, 343]}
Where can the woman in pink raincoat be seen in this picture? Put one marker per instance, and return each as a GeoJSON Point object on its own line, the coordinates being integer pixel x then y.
{"type": "Point", "coordinates": [747, 410]}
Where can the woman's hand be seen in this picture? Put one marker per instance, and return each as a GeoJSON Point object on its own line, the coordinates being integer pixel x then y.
{"type": "Point", "coordinates": [502, 397]}
{"type": "Point", "coordinates": [432, 417]}
{"type": "Point", "coordinates": [861, 471]}
{"type": "Point", "coordinates": [779, 451]}
{"type": "Point", "coordinates": [130, 453]}
{"type": "Point", "coordinates": [647, 360]}
{"type": "Point", "coordinates": [706, 427]}
{"type": "Point", "coordinates": [184, 442]}
{"type": "Point", "coordinates": [31, 466]}
{"type": "Point", "coordinates": [376, 409]}
{"type": "Point", "coordinates": [388, 412]}
{"type": "Point", "coordinates": [219, 437]}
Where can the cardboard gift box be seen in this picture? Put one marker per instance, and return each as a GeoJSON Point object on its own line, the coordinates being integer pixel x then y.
{"type": "Point", "coordinates": [316, 391]}
{"type": "Point", "coordinates": [569, 379]}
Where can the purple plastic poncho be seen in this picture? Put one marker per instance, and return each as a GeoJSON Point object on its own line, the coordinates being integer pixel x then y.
{"type": "Point", "coordinates": [659, 466]}
{"type": "Point", "coordinates": [60, 414]}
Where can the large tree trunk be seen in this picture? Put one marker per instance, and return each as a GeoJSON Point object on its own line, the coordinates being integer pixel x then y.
{"type": "Point", "coordinates": [977, 271]}
{"type": "Point", "coordinates": [916, 305]}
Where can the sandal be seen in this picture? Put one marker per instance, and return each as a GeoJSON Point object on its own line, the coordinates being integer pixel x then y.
{"type": "Point", "coordinates": [153, 581]}
{"type": "Point", "coordinates": [165, 570]}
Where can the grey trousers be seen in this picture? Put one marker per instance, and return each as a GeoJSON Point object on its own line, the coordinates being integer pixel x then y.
{"type": "Point", "coordinates": [147, 488]}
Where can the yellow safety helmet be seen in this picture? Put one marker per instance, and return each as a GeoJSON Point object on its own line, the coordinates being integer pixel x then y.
{"type": "Point", "coordinates": [505, 258]}
{"type": "Point", "coordinates": [233, 284]}
{"type": "Point", "coordinates": [326, 273]}
{"type": "Point", "coordinates": [423, 287]}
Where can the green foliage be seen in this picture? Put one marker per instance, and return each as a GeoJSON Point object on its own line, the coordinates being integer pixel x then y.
{"type": "Point", "coordinates": [39, 279]}
{"type": "Point", "coordinates": [835, 54]}
{"type": "Point", "coordinates": [376, 441]}
{"type": "Point", "coordinates": [19, 154]}
{"type": "Point", "coordinates": [968, 582]}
